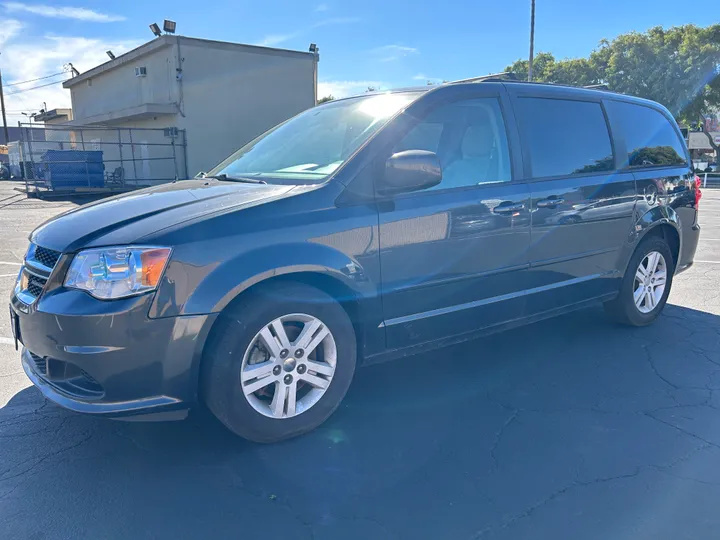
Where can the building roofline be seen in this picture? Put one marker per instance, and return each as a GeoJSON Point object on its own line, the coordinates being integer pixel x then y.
{"type": "Point", "coordinates": [53, 114]}
{"type": "Point", "coordinates": [168, 40]}
{"type": "Point", "coordinates": [261, 49]}
{"type": "Point", "coordinates": [142, 50]}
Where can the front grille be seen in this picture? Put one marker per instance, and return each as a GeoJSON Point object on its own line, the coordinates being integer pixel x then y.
{"type": "Point", "coordinates": [39, 265]}
{"type": "Point", "coordinates": [35, 285]}
{"type": "Point", "coordinates": [46, 257]}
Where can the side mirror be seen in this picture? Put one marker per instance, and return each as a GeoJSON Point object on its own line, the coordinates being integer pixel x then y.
{"type": "Point", "coordinates": [410, 170]}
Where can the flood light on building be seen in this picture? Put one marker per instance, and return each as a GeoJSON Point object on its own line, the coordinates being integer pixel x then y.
{"type": "Point", "coordinates": [155, 29]}
{"type": "Point", "coordinates": [169, 26]}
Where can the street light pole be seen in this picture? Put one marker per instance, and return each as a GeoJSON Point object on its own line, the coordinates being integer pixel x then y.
{"type": "Point", "coordinates": [31, 116]}
{"type": "Point", "coordinates": [532, 39]}
{"type": "Point", "coordinates": [2, 108]}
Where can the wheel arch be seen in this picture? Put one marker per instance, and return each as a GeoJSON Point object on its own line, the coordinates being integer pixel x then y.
{"type": "Point", "coordinates": [661, 221]}
{"type": "Point", "coordinates": [670, 234]}
{"type": "Point", "coordinates": [340, 291]}
{"type": "Point", "coordinates": [348, 298]}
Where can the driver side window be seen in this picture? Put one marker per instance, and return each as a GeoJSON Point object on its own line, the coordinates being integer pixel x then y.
{"type": "Point", "coordinates": [469, 139]}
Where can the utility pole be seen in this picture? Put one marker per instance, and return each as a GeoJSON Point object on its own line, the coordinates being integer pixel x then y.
{"type": "Point", "coordinates": [2, 108]}
{"type": "Point", "coordinates": [532, 39]}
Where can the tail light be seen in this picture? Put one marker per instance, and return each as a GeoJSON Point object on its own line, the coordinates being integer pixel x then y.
{"type": "Point", "coordinates": [698, 191]}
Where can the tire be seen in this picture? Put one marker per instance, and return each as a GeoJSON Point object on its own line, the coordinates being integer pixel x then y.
{"type": "Point", "coordinates": [236, 342]}
{"type": "Point", "coordinates": [623, 309]}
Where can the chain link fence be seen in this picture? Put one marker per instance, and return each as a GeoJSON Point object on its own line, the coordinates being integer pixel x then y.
{"type": "Point", "coordinates": [81, 159]}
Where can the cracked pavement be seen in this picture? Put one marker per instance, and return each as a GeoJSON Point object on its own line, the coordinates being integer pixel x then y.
{"type": "Point", "coordinates": [569, 428]}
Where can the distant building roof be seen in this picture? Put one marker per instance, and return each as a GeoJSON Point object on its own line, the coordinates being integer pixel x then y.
{"type": "Point", "coordinates": [54, 114]}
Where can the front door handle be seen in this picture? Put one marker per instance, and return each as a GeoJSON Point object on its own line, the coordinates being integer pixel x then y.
{"type": "Point", "coordinates": [550, 202]}
{"type": "Point", "coordinates": [508, 208]}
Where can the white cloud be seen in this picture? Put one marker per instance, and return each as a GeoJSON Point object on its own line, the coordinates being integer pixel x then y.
{"type": "Point", "coordinates": [24, 60]}
{"type": "Point", "coordinates": [321, 7]}
{"type": "Point", "coordinates": [275, 39]}
{"type": "Point", "coordinates": [425, 78]}
{"type": "Point", "coordinates": [272, 40]}
{"type": "Point", "coordinates": [9, 29]}
{"type": "Point", "coordinates": [340, 89]}
{"type": "Point", "coordinates": [65, 12]}
{"type": "Point", "coordinates": [390, 53]}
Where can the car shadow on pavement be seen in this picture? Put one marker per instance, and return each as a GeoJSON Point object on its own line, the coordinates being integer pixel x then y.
{"type": "Point", "coordinates": [558, 429]}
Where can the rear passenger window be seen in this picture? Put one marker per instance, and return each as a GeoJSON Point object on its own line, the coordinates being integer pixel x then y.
{"type": "Point", "coordinates": [565, 137]}
{"type": "Point", "coordinates": [469, 139]}
{"type": "Point", "coordinates": [650, 137]}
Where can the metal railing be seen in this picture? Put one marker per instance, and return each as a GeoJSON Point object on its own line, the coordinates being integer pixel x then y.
{"type": "Point", "coordinates": [710, 179]}
{"type": "Point", "coordinates": [100, 158]}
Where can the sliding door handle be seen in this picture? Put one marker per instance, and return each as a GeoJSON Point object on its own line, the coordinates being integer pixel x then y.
{"type": "Point", "coordinates": [550, 202]}
{"type": "Point", "coordinates": [510, 208]}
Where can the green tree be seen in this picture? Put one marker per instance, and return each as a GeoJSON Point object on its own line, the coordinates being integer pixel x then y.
{"type": "Point", "coordinates": [678, 67]}
{"type": "Point", "coordinates": [543, 67]}
{"type": "Point", "coordinates": [326, 99]}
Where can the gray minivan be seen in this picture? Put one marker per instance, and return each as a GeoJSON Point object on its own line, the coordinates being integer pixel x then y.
{"type": "Point", "coordinates": [361, 230]}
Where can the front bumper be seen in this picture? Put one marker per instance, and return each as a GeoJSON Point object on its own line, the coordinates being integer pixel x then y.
{"type": "Point", "coordinates": [109, 358]}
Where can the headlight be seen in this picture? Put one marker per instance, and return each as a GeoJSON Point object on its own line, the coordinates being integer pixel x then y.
{"type": "Point", "coordinates": [117, 272]}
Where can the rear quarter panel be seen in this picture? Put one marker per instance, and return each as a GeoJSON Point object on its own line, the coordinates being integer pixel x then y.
{"type": "Point", "coordinates": [664, 195]}
{"type": "Point", "coordinates": [668, 196]}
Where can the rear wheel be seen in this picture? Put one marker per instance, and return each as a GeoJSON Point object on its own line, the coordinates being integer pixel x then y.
{"type": "Point", "coordinates": [280, 364]}
{"type": "Point", "coordinates": [646, 285]}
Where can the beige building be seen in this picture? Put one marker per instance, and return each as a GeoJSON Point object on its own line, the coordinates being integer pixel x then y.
{"type": "Point", "coordinates": [222, 94]}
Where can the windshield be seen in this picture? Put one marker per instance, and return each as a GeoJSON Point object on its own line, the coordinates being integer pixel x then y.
{"type": "Point", "coordinates": [311, 146]}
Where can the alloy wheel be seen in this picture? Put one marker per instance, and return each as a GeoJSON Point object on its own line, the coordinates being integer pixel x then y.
{"type": "Point", "coordinates": [288, 365]}
{"type": "Point", "coordinates": [650, 281]}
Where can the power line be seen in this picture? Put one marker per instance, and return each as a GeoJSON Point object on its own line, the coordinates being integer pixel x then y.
{"type": "Point", "coordinates": [34, 88]}
{"type": "Point", "coordinates": [33, 80]}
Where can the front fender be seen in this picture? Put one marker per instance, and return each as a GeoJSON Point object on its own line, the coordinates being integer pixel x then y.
{"type": "Point", "coordinates": [220, 284]}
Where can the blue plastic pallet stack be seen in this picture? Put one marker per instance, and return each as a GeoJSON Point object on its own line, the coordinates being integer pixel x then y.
{"type": "Point", "coordinates": [68, 169]}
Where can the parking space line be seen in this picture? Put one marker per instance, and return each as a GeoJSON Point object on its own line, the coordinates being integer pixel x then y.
{"type": "Point", "coordinates": [12, 263]}
{"type": "Point", "coordinates": [707, 262]}
{"type": "Point", "coordinates": [6, 341]}
{"type": "Point", "coordinates": [8, 275]}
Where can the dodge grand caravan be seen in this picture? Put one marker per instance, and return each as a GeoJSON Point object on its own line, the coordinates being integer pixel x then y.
{"type": "Point", "coordinates": [360, 230]}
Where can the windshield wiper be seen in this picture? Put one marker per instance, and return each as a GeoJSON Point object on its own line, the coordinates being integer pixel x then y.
{"type": "Point", "coordinates": [225, 178]}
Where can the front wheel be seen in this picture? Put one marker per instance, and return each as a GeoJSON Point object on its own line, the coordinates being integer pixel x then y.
{"type": "Point", "coordinates": [646, 285]}
{"type": "Point", "coordinates": [279, 365]}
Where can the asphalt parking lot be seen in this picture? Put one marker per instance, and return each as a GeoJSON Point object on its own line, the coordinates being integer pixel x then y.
{"type": "Point", "coordinates": [569, 428]}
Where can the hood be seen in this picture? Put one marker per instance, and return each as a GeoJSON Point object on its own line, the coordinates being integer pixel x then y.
{"type": "Point", "coordinates": [125, 218]}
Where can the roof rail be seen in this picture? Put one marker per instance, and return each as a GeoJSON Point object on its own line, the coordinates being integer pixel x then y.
{"type": "Point", "coordinates": [506, 75]}
{"type": "Point", "coordinates": [597, 87]}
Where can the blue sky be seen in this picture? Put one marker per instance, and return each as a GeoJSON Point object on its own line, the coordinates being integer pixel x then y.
{"type": "Point", "coordinates": [383, 43]}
